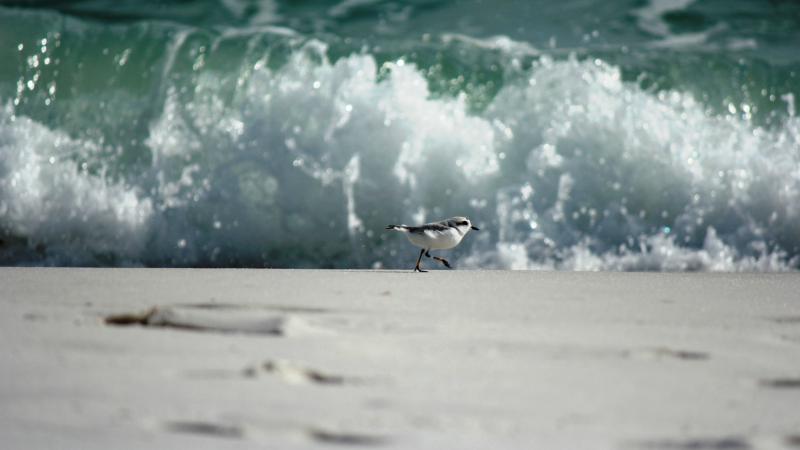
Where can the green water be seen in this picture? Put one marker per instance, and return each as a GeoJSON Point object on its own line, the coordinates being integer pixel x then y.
{"type": "Point", "coordinates": [160, 102]}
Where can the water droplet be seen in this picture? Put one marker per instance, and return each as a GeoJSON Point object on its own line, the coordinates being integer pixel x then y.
{"type": "Point", "coordinates": [182, 243]}
{"type": "Point", "coordinates": [667, 230]}
{"type": "Point", "coordinates": [316, 85]}
{"type": "Point", "coordinates": [526, 191]}
{"type": "Point", "coordinates": [123, 58]}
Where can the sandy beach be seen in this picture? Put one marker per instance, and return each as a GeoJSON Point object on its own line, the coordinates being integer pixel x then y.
{"type": "Point", "coordinates": [285, 359]}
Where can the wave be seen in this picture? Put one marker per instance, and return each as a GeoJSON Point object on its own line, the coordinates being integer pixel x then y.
{"type": "Point", "coordinates": [303, 164]}
{"type": "Point", "coordinates": [626, 175]}
{"type": "Point", "coordinates": [52, 210]}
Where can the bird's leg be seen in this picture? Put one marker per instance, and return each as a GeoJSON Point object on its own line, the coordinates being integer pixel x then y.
{"type": "Point", "coordinates": [417, 268]}
{"type": "Point", "coordinates": [428, 253]}
{"type": "Point", "coordinates": [443, 261]}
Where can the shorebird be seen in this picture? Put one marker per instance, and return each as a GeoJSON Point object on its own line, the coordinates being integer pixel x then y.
{"type": "Point", "coordinates": [436, 236]}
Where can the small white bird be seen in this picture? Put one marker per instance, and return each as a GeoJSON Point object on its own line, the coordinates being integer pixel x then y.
{"type": "Point", "coordinates": [436, 236]}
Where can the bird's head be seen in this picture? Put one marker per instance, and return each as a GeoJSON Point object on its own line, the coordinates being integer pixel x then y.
{"type": "Point", "coordinates": [462, 223]}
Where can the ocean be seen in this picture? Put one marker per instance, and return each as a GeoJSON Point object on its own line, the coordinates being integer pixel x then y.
{"type": "Point", "coordinates": [578, 135]}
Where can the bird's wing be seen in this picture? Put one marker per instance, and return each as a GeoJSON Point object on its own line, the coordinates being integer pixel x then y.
{"type": "Point", "coordinates": [437, 226]}
{"type": "Point", "coordinates": [431, 229]}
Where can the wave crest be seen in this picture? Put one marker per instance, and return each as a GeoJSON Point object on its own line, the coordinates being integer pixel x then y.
{"type": "Point", "coordinates": [568, 167]}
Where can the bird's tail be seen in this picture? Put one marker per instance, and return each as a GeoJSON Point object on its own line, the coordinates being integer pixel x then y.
{"type": "Point", "coordinates": [397, 227]}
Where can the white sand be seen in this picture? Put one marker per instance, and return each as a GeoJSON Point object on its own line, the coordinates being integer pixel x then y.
{"type": "Point", "coordinates": [444, 360]}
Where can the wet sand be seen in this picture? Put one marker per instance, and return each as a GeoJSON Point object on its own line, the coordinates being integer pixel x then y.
{"type": "Point", "coordinates": [285, 359]}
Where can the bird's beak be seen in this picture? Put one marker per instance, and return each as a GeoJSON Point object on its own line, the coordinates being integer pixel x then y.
{"type": "Point", "coordinates": [475, 228]}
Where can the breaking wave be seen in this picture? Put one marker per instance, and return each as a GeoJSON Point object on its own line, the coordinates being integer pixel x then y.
{"type": "Point", "coordinates": [566, 166]}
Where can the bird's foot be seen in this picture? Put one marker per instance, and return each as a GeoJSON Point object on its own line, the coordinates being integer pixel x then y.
{"type": "Point", "coordinates": [418, 269]}
{"type": "Point", "coordinates": [443, 261]}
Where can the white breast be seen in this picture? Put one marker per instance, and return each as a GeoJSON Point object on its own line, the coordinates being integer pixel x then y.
{"type": "Point", "coordinates": [436, 240]}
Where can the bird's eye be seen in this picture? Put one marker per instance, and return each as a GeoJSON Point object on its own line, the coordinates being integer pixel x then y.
{"type": "Point", "coordinates": [463, 223]}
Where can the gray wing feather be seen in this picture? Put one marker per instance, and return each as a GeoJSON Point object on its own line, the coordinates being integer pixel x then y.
{"type": "Point", "coordinates": [438, 226]}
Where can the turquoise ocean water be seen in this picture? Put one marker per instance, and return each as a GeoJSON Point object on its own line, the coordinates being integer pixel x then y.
{"type": "Point", "coordinates": [619, 135]}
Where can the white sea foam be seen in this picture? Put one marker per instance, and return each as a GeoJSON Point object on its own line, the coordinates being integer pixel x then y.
{"type": "Point", "coordinates": [625, 179]}
{"type": "Point", "coordinates": [53, 204]}
{"type": "Point", "coordinates": [502, 43]}
{"type": "Point", "coordinates": [569, 167]}
{"type": "Point", "coordinates": [650, 16]}
{"type": "Point", "coordinates": [304, 156]}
